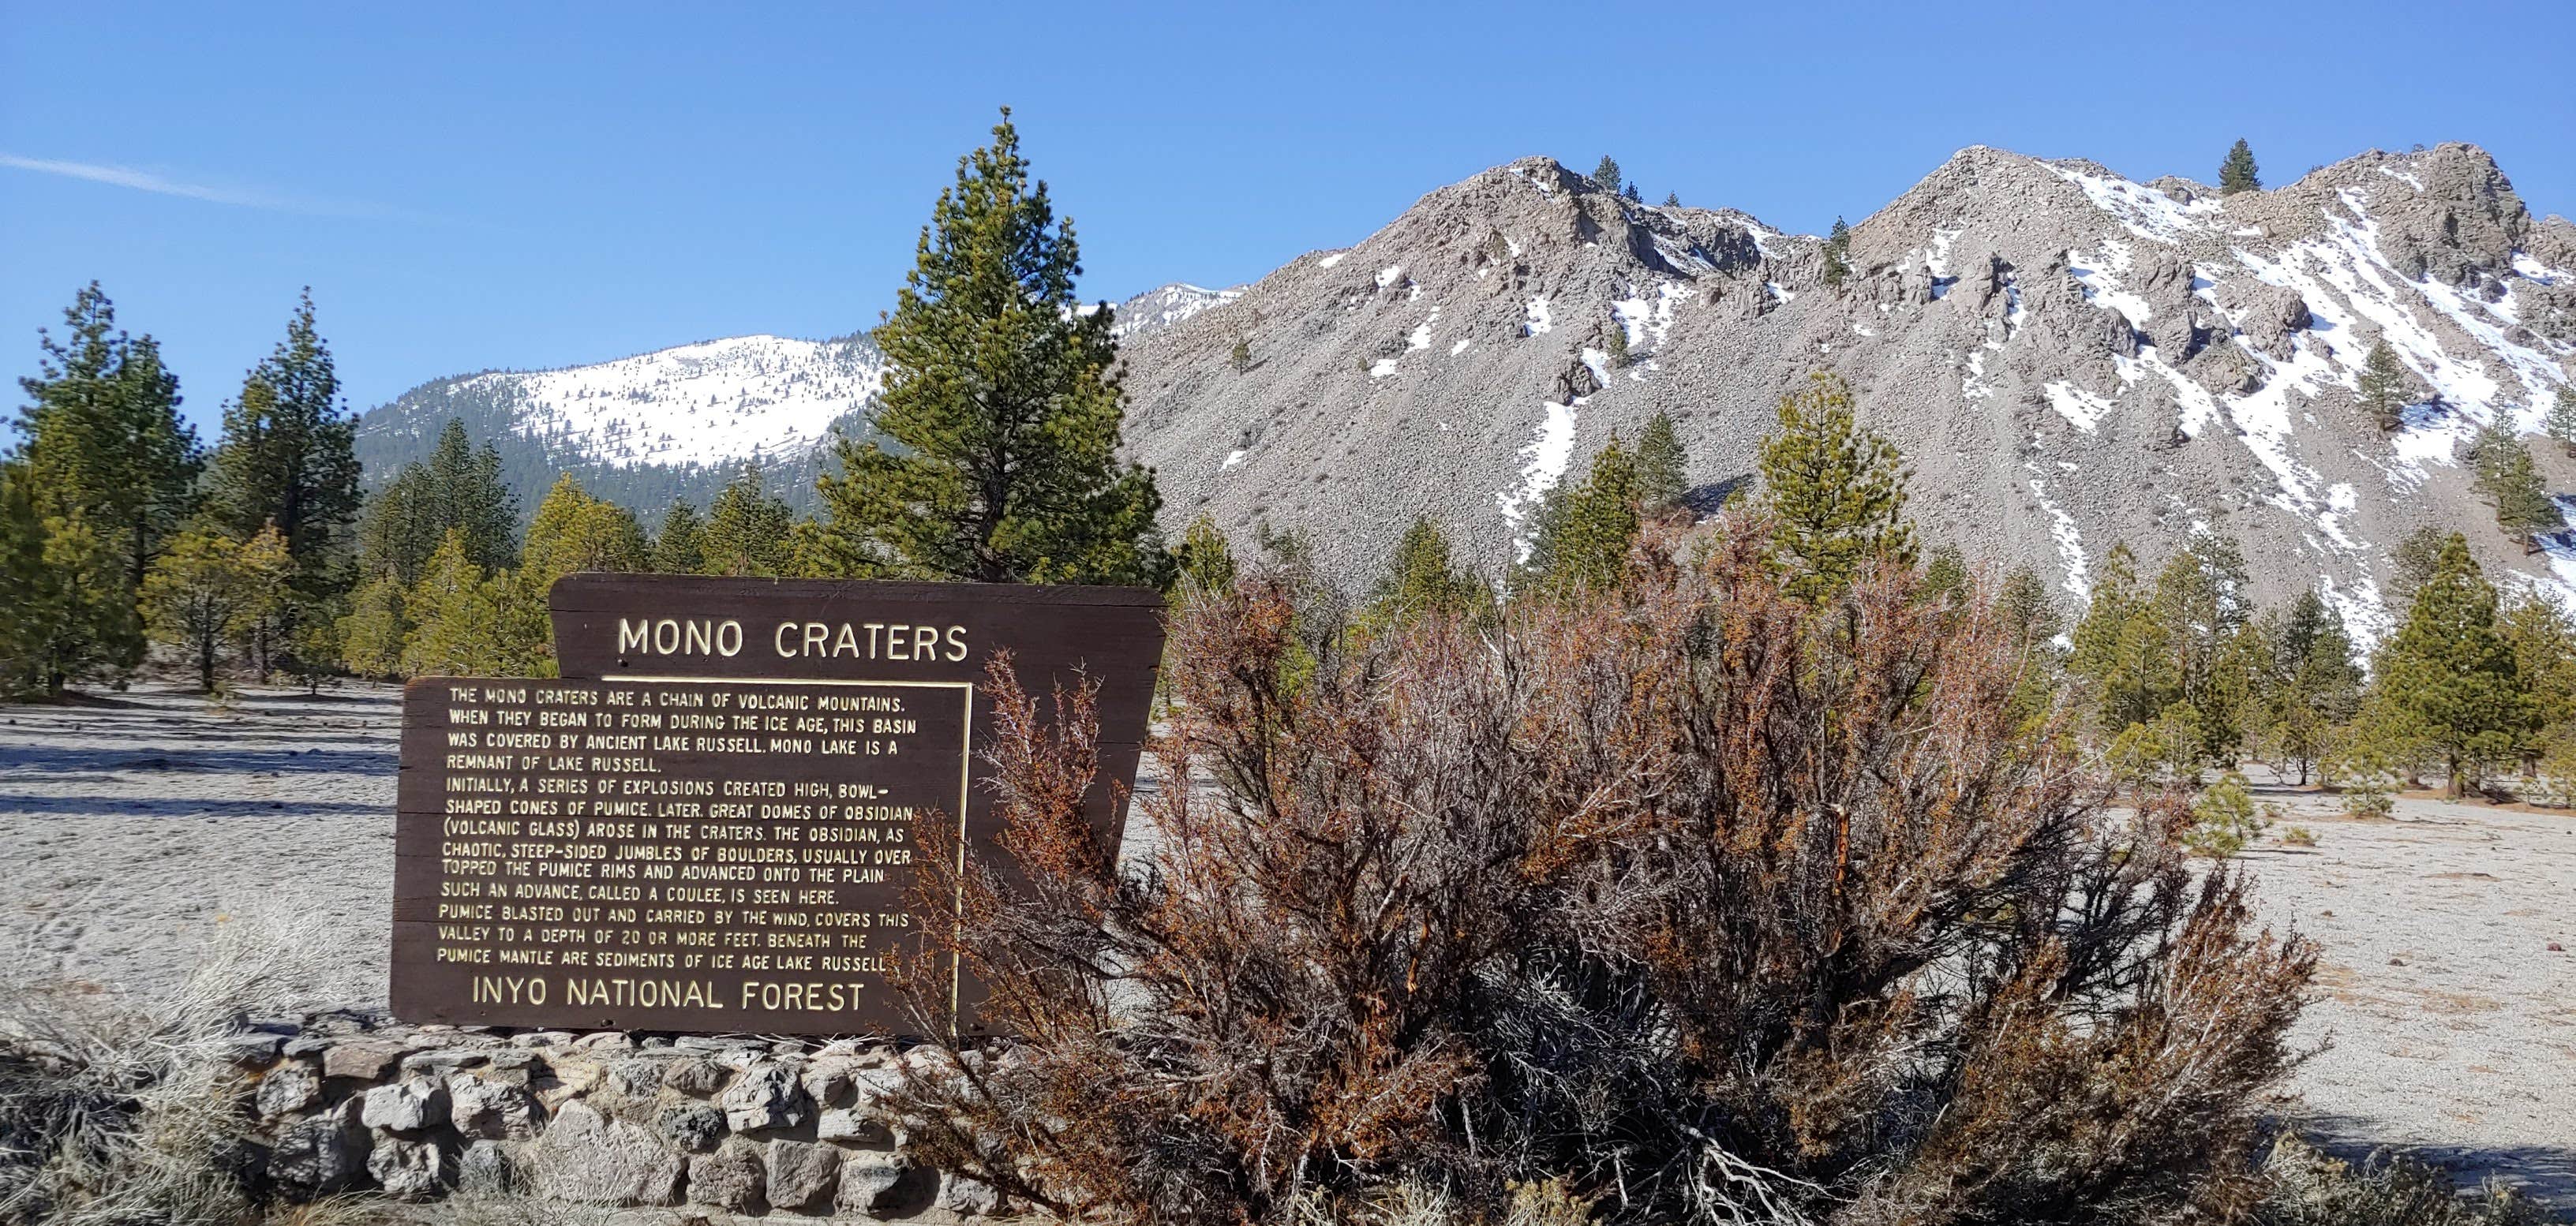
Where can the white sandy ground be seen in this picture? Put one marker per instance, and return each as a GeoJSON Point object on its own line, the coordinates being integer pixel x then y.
{"type": "Point", "coordinates": [129, 834]}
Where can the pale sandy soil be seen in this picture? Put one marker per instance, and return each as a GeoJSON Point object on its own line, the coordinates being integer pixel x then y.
{"type": "Point", "coordinates": [131, 833]}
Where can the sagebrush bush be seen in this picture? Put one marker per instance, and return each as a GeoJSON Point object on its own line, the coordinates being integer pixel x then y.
{"type": "Point", "coordinates": [2313, 1188]}
{"type": "Point", "coordinates": [1695, 904]}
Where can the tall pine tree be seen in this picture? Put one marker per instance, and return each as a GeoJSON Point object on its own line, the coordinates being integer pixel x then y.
{"type": "Point", "coordinates": [680, 548]}
{"type": "Point", "coordinates": [2382, 386]}
{"type": "Point", "coordinates": [2450, 673]}
{"type": "Point", "coordinates": [1838, 253]}
{"type": "Point", "coordinates": [101, 435]}
{"type": "Point", "coordinates": [286, 457]}
{"type": "Point", "coordinates": [457, 487]}
{"type": "Point", "coordinates": [1003, 403]}
{"type": "Point", "coordinates": [1834, 491]}
{"type": "Point", "coordinates": [1663, 465]}
{"type": "Point", "coordinates": [1585, 531]}
{"type": "Point", "coordinates": [2237, 173]}
{"type": "Point", "coordinates": [748, 528]}
{"type": "Point", "coordinates": [1422, 580]}
{"type": "Point", "coordinates": [1606, 174]}
{"type": "Point", "coordinates": [2560, 425]}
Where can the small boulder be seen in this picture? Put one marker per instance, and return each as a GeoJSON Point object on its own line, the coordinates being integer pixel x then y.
{"type": "Point", "coordinates": [802, 1175]}
{"type": "Point", "coordinates": [288, 1088]}
{"type": "Point", "coordinates": [490, 1110]}
{"type": "Point", "coordinates": [691, 1126]}
{"type": "Point", "coordinates": [491, 1168]}
{"type": "Point", "coordinates": [365, 1061]}
{"type": "Point", "coordinates": [406, 1169]}
{"type": "Point", "coordinates": [969, 1197]}
{"type": "Point", "coordinates": [406, 1106]}
{"type": "Point", "coordinates": [731, 1178]}
{"type": "Point", "coordinates": [635, 1078]}
{"type": "Point", "coordinates": [693, 1075]}
{"type": "Point", "coordinates": [853, 1125]}
{"type": "Point", "coordinates": [766, 1096]}
{"type": "Point", "coordinates": [589, 1157]}
{"type": "Point", "coordinates": [317, 1157]}
{"type": "Point", "coordinates": [869, 1183]}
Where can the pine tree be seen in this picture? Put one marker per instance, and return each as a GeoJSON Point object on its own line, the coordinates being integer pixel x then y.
{"type": "Point", "coordinates": [101, 435]}
{"type": "Point", "coordinates": [1663, 465]}
{"type": "Point", "coordinates": [23, 582]}
{"type": "Point", "coordinates": [575, 531]}
{"type": "Point", "coordinates": [2237, 173]}
{"type": "Point", "coordinates": [1672, 200]}
{"type": "Point", "coordinates": [2544, 657]}
{"type": "Point", "coordinates": [748, 528]}
{"type": "Point", "coordinates": [2316, 685]}
{"type": "Point", "coordinates": [1003, 407]}
{"type": "Point", "coordinates": [457, 487]}
{"type": "Point", "coordinates": [1834, 491]}
{"type": "Point", "coordinates": [371, 634]}
{"type": "Point", "coordinates": [1945, 573]}
{"type": "Point", "coordinates": [2561, 423]}
{"type": "Point", "coordinates": [1422, 580]}
{"type": "Point", "coordinates": [455, 615]}
{"type": "Point", "coordinates": [1206, 559]}
{"type": "Point", "coordinates": [1629, 194]}
{"type": "Point", "coordinates": [2122, 649]}
{"type": "Point", "coordinates": [207, 589]}
{"type": "Point", "coordinates": [1586, 531]}
{"type": "Point", "coordinates": [680, 548]}
{"type": "Point", "coordinates": [1838, 253]}
{"type": "Point", "coordinates": [2023, 604]}
{"type": "Point", "coordinates": [286, 457]}
{"type": "Point", "coordinates": [1240, 357]}
{"type": "Point", "coordinates": [2412, 562]}
{"type": "Point", "coordinates": [2511, 484]}
{"type": "Point", "coordinates": [1606, 175]}
{"type": "Point", "coordinates": [1614, 344]}
{"type": "Point", "coordinates": [2383, 386]}
{"type": "Point", "coordinates": [2450, 674]}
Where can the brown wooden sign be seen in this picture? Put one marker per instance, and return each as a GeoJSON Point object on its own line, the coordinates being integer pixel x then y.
{"type": "Point", "coordinates": [707, 824]}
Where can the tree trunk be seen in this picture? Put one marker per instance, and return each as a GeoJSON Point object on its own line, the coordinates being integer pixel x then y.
{"type": "Point", "coordinates": [206, 663]}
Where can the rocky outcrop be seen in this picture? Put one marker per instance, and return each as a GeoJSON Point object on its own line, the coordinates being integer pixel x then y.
{"type": "Point", "coordinates": [737, 1125]}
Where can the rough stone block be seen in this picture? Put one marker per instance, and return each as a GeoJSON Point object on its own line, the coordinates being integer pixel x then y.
{"type": "Point", "coordinates": [490, 1110]}
{"type": "Point", "coordinates": [731, 1178]}
{"type": "Point", "coordinates": [693, 1075]}
{"type": "Point", "coordinates": [971, 1197]}
{"type": "Point", "coordinates": [802, 1175]}
{"type": "Point", "coordinates": [491, 1168]}
{"type": "Point", "coordinates": [691, 1126]}
{"type": "Point", "coordinates": [366, 1061]}
{"type": "Point", "coordinates": [288, 1088]}
{"type": "Point", "coordinates": [852, 1125]}
{"type": "Point", "coordinates": [251, 1050]}
{"type": "Point", "coordinates": [635, 1078]}
{"type": "Point", "coordinates": [869, 1183]}
{"type": "Point", "coordinates": [317, 1157]}
{"type": "Point", "coordinates": [408, 1169]}
{"type": "Point", "coordinates": [767, 1096]}
{"type": "Point", "coordinates": [406, 1106]}
{"type": "Point", "coordinates": [586, 1156]}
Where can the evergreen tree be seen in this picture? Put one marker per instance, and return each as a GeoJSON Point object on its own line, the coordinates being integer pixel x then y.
{"type": "Point", "coordinates": [2544, 658]}
{"type": "Point", "coordinates": [1672, 200]}
{"type": "Point", "coordinates": [1003, 405]}
{"type": "Point", "coordinates": [455, 615]}
{"type": "Point", "coordinates": [2382, 386]}
{"type": "Point", "coordinates": [1663, 465]}
{"type": "Point", "coordinates": [1838, 253]}
{"type": "Point", "coordinates": [1614, 343]}
{"type": "Point", "coordinates": [1422, 581]}
{"type": "Point", "coordinates": [1607, 174]}
{"type": "Point", "coordinates": [1206, 559]}
{"type": "Point", "coordinates": [371, 634]}
{"type": "Point", "coordinates": [2315, 683]}
{"type": "Point", "coordinates": [2023, 604]}
{"type": "Point", "coordinates": [2238, 173]}
{"type": "Point", "coordinates": [2511, 484]}
{"type": "Point", "coordinates": [207, 588]}
{"type": "Point", "coordinates": [748, 528]}
{"type": "Point", "coordinates": [575, 531]}
{"type": "Point", "coordinates": [680, 548]}
{"type": "Point", "coordinates": [101, 435]}
{"type": "Point", "coordinates": [2561, 422]}
{"type": "Point", "coordinates": [1945, 574]}
{"type": "Point", "coordinates": [457, 487]}
{"type": "Point", "coordinates": [1240, 357]}
{"type": "Point", "coordinates": [1834, 491]}
{"type": "Point", "coordinates": [23, 582]}
{"type": "Point", "coordinates": [286, 460]}
{"type": "Point", "coordinates": [2449, 673]}
{"type": "Point", "coordinates": [2121, 649]}
{"type": "Point", "coordinates": [1629, 194]}
{"type": "Point", "coordinates": [2412, 562]}
{"type": "Point", "coordinates": [1586, 531]}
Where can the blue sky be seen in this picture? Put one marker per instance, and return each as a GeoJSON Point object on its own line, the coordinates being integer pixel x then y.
{"type": "Point", "coordinates": [468, 186]}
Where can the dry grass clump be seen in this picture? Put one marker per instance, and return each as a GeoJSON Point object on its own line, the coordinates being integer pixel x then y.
{"type": "Point", "coordinates": [1695, 904]}
{"type": "Point", "coordinates": [119, 1110]}
{"type": "Point", "coordinates": [2313, 1188]}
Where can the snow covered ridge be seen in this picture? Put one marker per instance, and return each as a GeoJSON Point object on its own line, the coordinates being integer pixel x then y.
{"type": "Point", "coordinates": [715, 402]}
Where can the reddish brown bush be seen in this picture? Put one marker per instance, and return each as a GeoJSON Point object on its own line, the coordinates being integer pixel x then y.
{"type": "Point", "coordinates": [1709, 904]}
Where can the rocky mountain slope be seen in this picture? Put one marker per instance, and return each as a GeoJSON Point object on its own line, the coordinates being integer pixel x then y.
{"type": "Point", "coordinates": [2070, 359]}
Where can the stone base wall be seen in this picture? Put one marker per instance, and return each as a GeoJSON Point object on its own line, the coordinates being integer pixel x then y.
{"type": "Point", "coordinates": [738, 1125]}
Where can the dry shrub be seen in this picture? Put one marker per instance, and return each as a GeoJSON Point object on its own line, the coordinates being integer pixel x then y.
{"type": "Point", "coordinates": [121, 1110]}
{"type": "Point", "coordinates": [1699, 904]}
{"type": "Point", "coordinates": [2313, 1188]}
